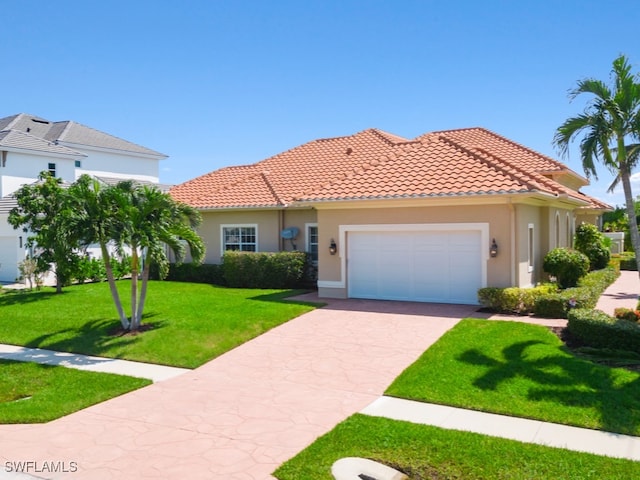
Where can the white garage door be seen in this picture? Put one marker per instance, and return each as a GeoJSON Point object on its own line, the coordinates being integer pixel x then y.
{"type": "Point", "coordinates": [421, 266]}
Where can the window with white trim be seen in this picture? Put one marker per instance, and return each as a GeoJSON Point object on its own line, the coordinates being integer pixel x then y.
{"type": "Point", "coordinates": [312, 241]}
{"type": "Point", "coordinates": [530, 249]}
{"type": "Point", "coordinates": [52, 169]}
{"type": "Point", "coordinates": [243, 238]}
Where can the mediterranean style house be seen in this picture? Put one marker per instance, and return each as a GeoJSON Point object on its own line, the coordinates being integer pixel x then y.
{"type": "Point", "coordinates": [30, 145]}
{"type": "Point", "coordinates": [429, 219]}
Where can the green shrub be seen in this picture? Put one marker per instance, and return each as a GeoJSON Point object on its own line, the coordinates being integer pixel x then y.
{"type": "Point", "coordinates": [264, 270]}
{"type": "Point", "coordinates": [590, 241]}
{"type": "Point", "coordinates": [568, 266]}
{"type": "Point", "coordinates": [628, 263]}
{"type": "Point", "coordinates": [597, 329]}
{"type": "Point", "coordinates": [191, 272]}
{"type": "Point", "coordinates": [513, 300]}
{"type": "Point", "coordinates": [585, 295]}
{"type": "Point", "coordinates": [627, 314]}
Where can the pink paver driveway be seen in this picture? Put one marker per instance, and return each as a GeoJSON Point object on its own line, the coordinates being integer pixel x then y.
{"type": "Point", "coordinates": [244, 413]}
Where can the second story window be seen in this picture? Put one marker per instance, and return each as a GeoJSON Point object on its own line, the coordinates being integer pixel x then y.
{"type": "Point", "coordinates": [52, 169]}
{"type": "Point", "coordinates": [78, 164]}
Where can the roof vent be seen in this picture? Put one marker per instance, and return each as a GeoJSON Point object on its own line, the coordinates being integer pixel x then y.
{"type": "Point", "coordinates": [37, 120]}
{"type": "Point", "coordinates": [349, 151]}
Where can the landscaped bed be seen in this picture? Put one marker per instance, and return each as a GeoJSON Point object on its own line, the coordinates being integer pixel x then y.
{"type": "Point", "coordinates": [185, 324]}
{"type": "Point", "coordinates": [424, 452]}
{"type": "Point", "coordinates": [33, 393]}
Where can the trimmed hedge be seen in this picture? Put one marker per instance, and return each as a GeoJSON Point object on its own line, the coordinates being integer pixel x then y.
{"type": "Point", "coordinates": [513, 300]}
{"type": "Point", "coordinates": [191, 272]}
{"type": "Point", "coordinates": [264, 270]}
{"type": "Point", "coordinates": [585, 295]}
{"type": "Point", "coordinates": [597, 329]}
{"type": "Point", "coordinates": [545, 300]}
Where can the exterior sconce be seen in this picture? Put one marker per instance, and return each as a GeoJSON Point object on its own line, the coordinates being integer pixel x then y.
{"type": "Point", "coordinates": [333, 248]}
{"type": "Point", "coordinates": [493, 251]}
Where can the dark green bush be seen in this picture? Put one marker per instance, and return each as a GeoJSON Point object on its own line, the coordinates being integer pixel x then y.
{"type": "Point", "coordinates": [597, 329]}
{"type": "Point", "coordinates": [191, 272]}
{"type": "Point", "coordinates": [568, 266]}
{"type": "Point", "coordinates": [513, 300]}
{"type": "Point", "coordinates": [628, 263]}
{"type": "Point", "coordinates": [264, 270]}
{"type": "Point", "coordinates": [590, 241]}
{"type": "Point", "coordinates": [585, 295]}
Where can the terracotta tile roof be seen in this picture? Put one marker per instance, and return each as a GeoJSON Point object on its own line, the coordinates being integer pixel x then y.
{"type": "Point", "coordinates": [283, 178]}
{"type": "Point", "coordinates": [373, 164]}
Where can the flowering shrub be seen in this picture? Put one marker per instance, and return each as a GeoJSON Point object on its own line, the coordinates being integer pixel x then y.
{"type": "Point", "coordinates": [627, 314]}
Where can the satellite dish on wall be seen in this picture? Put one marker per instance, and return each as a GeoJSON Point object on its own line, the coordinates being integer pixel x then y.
{"type": "Point", "coordinates": [290, 234]}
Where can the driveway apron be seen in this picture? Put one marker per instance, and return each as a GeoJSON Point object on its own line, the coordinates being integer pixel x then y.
{"type": "Point", "coordinates": [244, 413]}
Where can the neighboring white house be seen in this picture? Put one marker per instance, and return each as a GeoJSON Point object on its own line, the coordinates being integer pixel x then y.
{"type": "Point", "coordinates": [30, 145]}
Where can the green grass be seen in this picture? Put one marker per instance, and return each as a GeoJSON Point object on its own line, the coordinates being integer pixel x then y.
{"type": "Point", "coordinates": [525, 371]}
{"type": "Point", "coordinates": [33, 393]}
{"type": "Point", "coordinates": [191, 323]}
{"type": "Point", "coordinates": [424, 452]}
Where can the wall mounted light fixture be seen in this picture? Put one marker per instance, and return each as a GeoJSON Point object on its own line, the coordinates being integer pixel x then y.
{"type": "Point", "coordinates": [493, 250]}
{"type": "Point", "coordinates": [333, 248]}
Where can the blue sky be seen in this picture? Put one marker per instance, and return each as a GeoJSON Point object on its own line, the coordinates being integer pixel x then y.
{"type": "Point", "coordinates": [216, 83]}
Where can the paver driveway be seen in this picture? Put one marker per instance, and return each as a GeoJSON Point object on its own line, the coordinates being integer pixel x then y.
{"type": "Point", "coordinates": [244, 413]}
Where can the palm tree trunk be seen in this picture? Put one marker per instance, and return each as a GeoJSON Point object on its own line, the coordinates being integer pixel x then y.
{"type": "Point", "coordinates": [143, 290]}
{"type": "Point", "coordinates": [631, 213]}
{"type": "Point", "coordinates": [134, 286]}
{"type": "Point", "coordinates": [112, 286]}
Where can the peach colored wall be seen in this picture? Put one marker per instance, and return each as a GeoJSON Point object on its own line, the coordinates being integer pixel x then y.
{"type": "Point", "coordinates": [497, 216]}
{"type": "Point", "coordinates": [269, 224]}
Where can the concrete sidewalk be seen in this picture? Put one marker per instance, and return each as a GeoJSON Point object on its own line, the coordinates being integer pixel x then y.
{"type": "Point", "coordinates": [624, 292]}
{"type": "Point", "coordinates": [78, 361]}
{"type": "Point", "coordinates": [520, 429]}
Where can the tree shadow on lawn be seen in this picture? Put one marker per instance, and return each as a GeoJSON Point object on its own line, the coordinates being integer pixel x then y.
{"type": "Point", "coordinates": [564, 379]}
{"type": "Point", "coordinates": [14, 297]}
{"type": "Point", "coordinates": [95, 337]}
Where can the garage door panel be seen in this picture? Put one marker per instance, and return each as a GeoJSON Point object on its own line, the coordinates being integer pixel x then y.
{"type": "Point", "coordinates": [427, 266]}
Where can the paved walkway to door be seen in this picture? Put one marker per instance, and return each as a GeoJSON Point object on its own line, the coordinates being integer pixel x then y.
{"type": "Point", "coordinates": [243, 414]}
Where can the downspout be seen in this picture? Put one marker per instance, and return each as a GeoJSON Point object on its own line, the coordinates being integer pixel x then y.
{"type": "Point", "coordinates": [512, 222]}
{"type": "Point", "coordinates": [280, 228]}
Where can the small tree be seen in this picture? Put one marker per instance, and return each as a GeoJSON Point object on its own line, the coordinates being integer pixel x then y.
{"type": "Point", "coordinates": [28, 269]}
{"type": "Point", "coordinates": [590, 241]}
{"type": "Point", "coordinates": [568, 266]}
{"type": "Point", "coordinates": [48, 212]}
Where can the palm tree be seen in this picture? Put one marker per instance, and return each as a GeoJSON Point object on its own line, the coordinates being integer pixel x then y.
{"type": "Point", "coordinates": [150, 223]}
{"type": "Point", "coordinates": [96, 213]}
{"type": "Point", "coordinates": [610, 125]}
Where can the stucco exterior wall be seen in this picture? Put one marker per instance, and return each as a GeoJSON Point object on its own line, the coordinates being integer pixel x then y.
{"type": "Point", "coordinates": [23, 168]}
{"type": "Point", "coordinates": [498, 217]}
{"type": "Point", "coordinates": [269, 224]}
{"type": "Point", "coordinates": [118, 165]}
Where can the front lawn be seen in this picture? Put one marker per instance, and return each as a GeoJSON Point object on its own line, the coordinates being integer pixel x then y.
{"type": "Point", "coordinates": [33, 393]}
{"type": "Point", "coordinates": [522, 370]}
{"type": "Point", "coordinates": [424, 452]}
{"type": "Point", "coordinates": [190, 323]}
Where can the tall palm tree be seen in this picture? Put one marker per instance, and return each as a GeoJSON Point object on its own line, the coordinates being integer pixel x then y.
{"type": "Point", "coordinates": [610, 125]}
